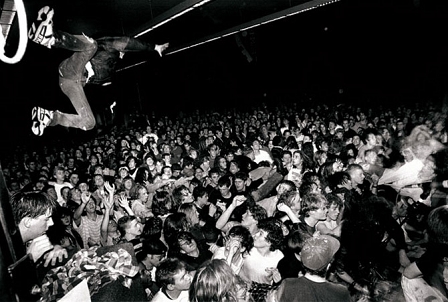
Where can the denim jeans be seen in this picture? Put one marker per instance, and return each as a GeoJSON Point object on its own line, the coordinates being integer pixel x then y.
{"type": "Point", "coordinates": [72, 81]}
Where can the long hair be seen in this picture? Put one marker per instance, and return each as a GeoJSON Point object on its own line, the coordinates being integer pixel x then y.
{"type": "Point", "coordinates": [214, 282]}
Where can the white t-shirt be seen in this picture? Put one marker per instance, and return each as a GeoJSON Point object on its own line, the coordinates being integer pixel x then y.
{"type": "Point", "coordinates": [255, 265]}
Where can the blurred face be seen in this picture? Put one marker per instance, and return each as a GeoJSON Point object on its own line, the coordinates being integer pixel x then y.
{"type": "Point", "coordinates": [239, 184]}
{"type": "Point", "coordinates": [143, 195]}
{"type": "Point", "coordinates": [155, 260]}
{"type": "Point", "coordinates": [182, 280]}
{"type": "Point", "coordinates": [333, 212]}
{"type": "Point", "coordinates": [150, 161]}
{"type": "Point", "coordinates": [371, 139]}
{"type": "Point", "coordinates": [134, 228]}
{"type": "Point", "coordinates": [83, 187]}
{"type": "Point", "coordinates": [320, 213]}
{"type": "Point", "coordinates": [223, 163]}
{"type": "Point", "coordinates": [224, 190]}
{"type": "Point", "coordinates": [159, 166]}
{"type": "Point", "coordinates": [40, 224]}
{"type": "Point", "coordinates": [233, 168]}
{"type": "Point", "coordinates": [112, 227]}
{"type": "Point", "coordinates": [256, 145]}
{"type": "Point", "coordinates": [90, 206]}
{"type": "Point", "coordinates": [199, 174]}
{"type": "Point", "coordinates": [60, 175]}
{"type": "Point", "coordinates": [296, 159]}
{"type": "Point", "coordinates": [99, 181]}
{"type": "Point", "coordinates": [52, 193]}
{"type": "Point", "coordinates": [260, 240]}
{"type": "Point", "coordinates": [123, 173]}
{"type": "Point", "coordinates": [286, 159]}
{"type": "Point", "coordinates": [187, 247]}
{"type": "Point", "coordinates": [127, 184]}
{"type": "Point", "coordinates": [357, 176]}
{"type": "Point", "coordinates": [187, 196]}
{"type": "Point", "coordinates": [214, 178]}
{"type": "Point", "coordinates": [248, 219]}
{"type": "Point", "coordinates": [295, 203]}
{"type": "Point", "coordinates": [167, 172]}
{"type": "Point", "coordinates": [66, 220]}
{"type": "Point", "coordinates": [407, 154]}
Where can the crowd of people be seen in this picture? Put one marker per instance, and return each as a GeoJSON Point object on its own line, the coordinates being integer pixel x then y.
{"type": "Point", "coordinates": [278, 203]}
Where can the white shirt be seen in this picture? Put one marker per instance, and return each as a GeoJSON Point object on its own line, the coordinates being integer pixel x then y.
{"type": "Point", "coordinates": [255, 265]}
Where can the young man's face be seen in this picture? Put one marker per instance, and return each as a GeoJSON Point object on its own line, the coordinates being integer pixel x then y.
{"type": "Point", "coordinates": [320, 213]}
{"type": "Point", "coordinates": [224, 190]}
{"type": "Point", "coordinates": [187, 246]}
{"type": "Point", "coordinates": [260, 240]}
{"type": "Point", "coordinates": [74, 179]}
{"type": "Point", "coordinates": [60, 175]}
{"type": "Point", "coordinates": [214, 178]}
{"type": "Point", "coordinates": [248, 219]}
{"type": "Point", "coordinates": [239, 184]}
{"type": "Point", "coordinates": [39, 225]}
{"type": "Point", "coordinates": [155, 259]}
{"type": "Point", "coordinates": [134, 228]}
{"type": "Point", "coordinates": [357, 176]}
{"type": "Point", "coordinates": [182, 280]}
{"type": "Point", "coordinates": [233, 168]}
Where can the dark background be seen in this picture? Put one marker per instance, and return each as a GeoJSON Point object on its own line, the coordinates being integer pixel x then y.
{"type": "Point", "coordinates": [361, 52]}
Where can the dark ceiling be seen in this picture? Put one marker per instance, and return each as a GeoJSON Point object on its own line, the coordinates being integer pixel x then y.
{"type": "Point", "coordinates": [355, 49]}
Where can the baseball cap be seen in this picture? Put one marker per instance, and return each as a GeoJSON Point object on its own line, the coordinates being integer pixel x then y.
{"type": "Point", "coordinates": [318, 252]}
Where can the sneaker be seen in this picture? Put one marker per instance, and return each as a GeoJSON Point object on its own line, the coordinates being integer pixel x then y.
{"type": "Point", "coordinates": [41, 119]}
{"type": "Point", "coordinates": [41, 30]}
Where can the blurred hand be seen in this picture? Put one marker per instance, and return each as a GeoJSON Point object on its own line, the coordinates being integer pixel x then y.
{"type": "Point", "coordinates": [57, 254]}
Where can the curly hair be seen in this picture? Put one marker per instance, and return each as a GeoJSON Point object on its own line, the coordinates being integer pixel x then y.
{"type": "Point", "coordinates": [274, 232]}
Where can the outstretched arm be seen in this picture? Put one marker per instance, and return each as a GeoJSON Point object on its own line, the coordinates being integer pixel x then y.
{"type": "Point", "coordinates": [224, 218]}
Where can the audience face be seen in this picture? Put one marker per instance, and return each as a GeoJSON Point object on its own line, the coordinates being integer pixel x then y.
{"type": "Point", "coordinates": [224, 190]}
{"type": "Point", "coordinates": [248, 219]}
{"type": "Point", "coordinates": [239, 184]}
{"type": "Point", "coordinates": [260, 240]}
{"type": "Point", "coordinates": [182, 281]}
{"type": "Point", "coordinates": [357, 177]}
{"type": "Point", "coordinates": [320, 213]}
{"type": "Point", "coordinates": [134, 228]}
{"type": "Point", "coordinates": [333, 212]}
{"type": "Point", "coordinates": [187, 247]}
{"type": "Point", "coordinates": [233, 168]}
{"type": "Point", "coordinates": [297, 159]}
{"type": "Point", "coordinates": [214, 177]}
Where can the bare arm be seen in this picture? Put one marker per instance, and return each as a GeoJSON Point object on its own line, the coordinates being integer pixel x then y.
{"type": "Point", "coordinates": [108, 204]}
{"type": "Point", "coordinates": [224, 218]}
{"type": "Point", "coordinates": [85, 197]}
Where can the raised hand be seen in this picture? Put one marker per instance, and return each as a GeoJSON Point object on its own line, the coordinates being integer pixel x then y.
{"type": "Point", "coordinates": [238, 200]}
{"type": "Point", "coordinates": [123, 201]}
{"type": "Point", "coordinates": [110, 188]}
{"type": "Point", "coordinates": [85, 197]}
